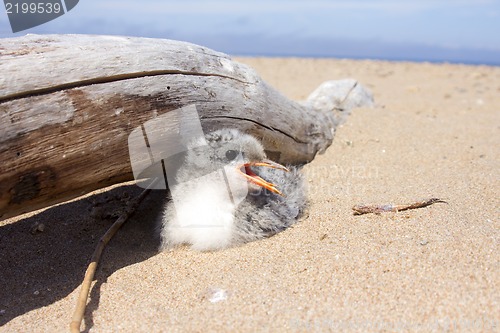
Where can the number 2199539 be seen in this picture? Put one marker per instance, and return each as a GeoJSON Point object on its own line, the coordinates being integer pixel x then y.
{"type": "Point", "coordinates": [33, 8]}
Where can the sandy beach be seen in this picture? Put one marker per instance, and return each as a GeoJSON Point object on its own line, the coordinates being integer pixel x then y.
{"type": "Point", "coordinates": [434, 132]}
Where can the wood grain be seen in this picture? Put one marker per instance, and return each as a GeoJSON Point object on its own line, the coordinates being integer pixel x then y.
{"type": "Point", "coordinates": [69, 102]}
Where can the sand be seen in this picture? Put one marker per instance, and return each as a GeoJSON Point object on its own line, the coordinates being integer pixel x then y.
{"type": "Point", "coordinates": [433, 133]}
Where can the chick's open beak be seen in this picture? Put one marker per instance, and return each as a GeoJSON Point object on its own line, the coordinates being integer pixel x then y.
{"type": "Point", "coordinates": [247, 172]}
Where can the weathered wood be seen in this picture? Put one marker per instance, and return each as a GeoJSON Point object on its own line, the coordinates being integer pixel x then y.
{"type": "Point", "coordinates": [69, 102]}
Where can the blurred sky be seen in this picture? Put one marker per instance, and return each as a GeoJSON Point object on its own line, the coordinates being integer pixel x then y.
{"type": "Point", "coordinates": [421, 30]}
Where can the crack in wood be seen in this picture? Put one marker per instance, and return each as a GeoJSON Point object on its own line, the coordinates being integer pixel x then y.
{"type": "Point", "coordinates": [106, 79]}
{"type": "Point", "coordinates": [347, 96]}
{"type": "Point", "coordinates": [259, 124]}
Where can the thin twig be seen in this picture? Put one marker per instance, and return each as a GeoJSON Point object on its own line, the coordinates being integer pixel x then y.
{"type": "Point", "coordinates": [91, 269]}
{"type": "Point", "coordinates": [377, 209]}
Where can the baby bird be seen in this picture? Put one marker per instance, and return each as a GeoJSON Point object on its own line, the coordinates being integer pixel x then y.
{"type": "Point", "coordinates": [227, 193]}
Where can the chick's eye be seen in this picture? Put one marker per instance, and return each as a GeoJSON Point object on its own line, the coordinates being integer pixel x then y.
{"type": "Point", "coordinates": [231, 154]}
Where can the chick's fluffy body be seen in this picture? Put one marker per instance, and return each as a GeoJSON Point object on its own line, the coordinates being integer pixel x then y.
{"type": "Point", "coordinates": [205, 215]}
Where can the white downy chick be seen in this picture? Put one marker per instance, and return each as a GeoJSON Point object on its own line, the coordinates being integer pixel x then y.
{"type": "Point", "coordinates": [227, 193]}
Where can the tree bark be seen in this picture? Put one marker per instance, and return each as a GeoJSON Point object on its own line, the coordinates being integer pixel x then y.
{"type": "Point", "coordinates": [69, 102]}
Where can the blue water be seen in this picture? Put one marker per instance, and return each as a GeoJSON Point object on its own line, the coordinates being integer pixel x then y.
{"type": "Point", "coordinates": [455, 31]}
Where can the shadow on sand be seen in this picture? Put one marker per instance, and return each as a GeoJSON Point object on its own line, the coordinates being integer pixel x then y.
{"type": "Point", "coordinates": [43, 258]}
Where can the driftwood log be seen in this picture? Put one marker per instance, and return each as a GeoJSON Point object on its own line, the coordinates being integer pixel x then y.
{"type": "Point", "coordinates": [69, 102]}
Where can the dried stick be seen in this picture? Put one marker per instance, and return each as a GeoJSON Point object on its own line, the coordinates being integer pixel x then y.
{"type": "Point", "coordinates": [377, 209]}
{"type": "Point", "coordinates": [91, 269]}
